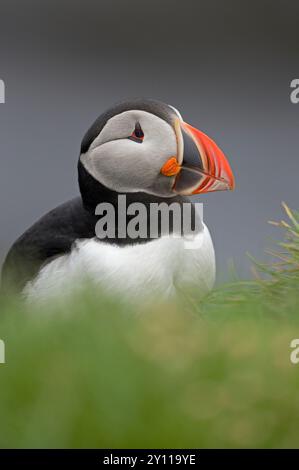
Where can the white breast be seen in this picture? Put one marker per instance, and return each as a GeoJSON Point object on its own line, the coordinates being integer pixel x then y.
{"type": "Point", "coordinates": [159, 268]}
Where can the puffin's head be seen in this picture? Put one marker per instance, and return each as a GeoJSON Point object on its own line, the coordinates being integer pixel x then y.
{"type": "Point", "coordinates": [144, 145]}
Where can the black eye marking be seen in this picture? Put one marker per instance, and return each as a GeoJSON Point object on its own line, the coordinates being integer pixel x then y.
{"type": "Point", "coordinates": [137, 135]}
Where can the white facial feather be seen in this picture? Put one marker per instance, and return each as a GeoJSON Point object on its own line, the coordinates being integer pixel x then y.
{"type": "Point", "coordinates": [127, 166]}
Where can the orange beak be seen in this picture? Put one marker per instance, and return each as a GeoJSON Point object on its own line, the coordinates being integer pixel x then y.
{"type": "Point", "coordinates": [201, 166]}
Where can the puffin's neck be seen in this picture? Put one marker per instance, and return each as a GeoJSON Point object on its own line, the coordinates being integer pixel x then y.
{"type": "Point", "coordinates": [93, 192]}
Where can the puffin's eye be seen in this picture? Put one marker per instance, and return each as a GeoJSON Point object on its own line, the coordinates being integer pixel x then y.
{"type": "Point", "coordinates": [137, 135]}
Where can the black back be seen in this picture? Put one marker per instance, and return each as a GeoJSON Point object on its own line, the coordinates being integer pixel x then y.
{"type": "Point", "coordinates": [50, 236]}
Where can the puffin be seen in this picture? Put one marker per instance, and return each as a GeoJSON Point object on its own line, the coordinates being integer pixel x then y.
{"type": "Point", "coordinates": [138, 153]}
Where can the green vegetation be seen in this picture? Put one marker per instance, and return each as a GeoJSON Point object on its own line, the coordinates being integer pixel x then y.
{"type": "Point", "coordinates": [215, 373]}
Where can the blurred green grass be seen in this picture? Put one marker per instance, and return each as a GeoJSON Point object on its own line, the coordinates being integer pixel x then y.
{"type": "Point", "coordinates": [94, 372]}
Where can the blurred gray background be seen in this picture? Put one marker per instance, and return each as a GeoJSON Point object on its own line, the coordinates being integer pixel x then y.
{"type": "Point", "coordinates": [227, 66]}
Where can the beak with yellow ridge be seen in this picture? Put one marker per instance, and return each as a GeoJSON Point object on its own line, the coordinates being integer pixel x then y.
{"type": "Point", "coordinates": [200, 166]}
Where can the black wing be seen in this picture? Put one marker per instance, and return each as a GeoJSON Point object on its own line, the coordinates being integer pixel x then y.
{"type": "Point", "coordinates": [50, 236]}
{"type": "Point", "coordinates": [55, 233]}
